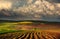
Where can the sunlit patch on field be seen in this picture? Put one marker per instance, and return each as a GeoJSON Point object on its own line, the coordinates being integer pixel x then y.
{"type": "Point", "coordinates": [25, 22]}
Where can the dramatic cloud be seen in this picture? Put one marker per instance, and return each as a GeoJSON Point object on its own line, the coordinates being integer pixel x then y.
{"type": "Point", "coordinates": [32, 9]}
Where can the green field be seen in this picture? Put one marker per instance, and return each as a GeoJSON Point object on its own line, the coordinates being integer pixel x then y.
{"type": "Point", "coordinates": [15, 26]}
{"type": "Point", "coordinates": [7, 27]}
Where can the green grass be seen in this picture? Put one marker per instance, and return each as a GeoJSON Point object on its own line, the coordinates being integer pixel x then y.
{"type": "Point", "coordinates": [7, 27]}
{"type": "Point", "coordinates": [12, 31]}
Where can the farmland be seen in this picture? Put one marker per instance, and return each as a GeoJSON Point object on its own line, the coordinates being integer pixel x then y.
{"type": "Point", "coordinates": [31, 35]}
{"type": "Point", "coordinates": [29, 30]}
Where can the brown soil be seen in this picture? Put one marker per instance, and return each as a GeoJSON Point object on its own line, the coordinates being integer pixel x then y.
{"type": "Point", "coordinates": [31, 35]}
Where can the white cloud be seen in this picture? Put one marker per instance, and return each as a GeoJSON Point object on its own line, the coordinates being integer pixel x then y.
{"type": "Point", "coordinates": [58, 5]}
{"type": "Point", "coordinates": [5, 5]}
{"type": "Point", "coordinates": [29, 1]}
{"type": "Point", "coordinates": [39, 7]}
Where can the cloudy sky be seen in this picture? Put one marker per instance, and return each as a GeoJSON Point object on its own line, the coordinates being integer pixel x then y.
{"type": "Point", "coordinates": [48, 10]}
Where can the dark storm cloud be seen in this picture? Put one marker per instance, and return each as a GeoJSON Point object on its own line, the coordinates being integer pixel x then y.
{"type": "Point", "coordinates": [54, 1]}
{"type": "Point", "coordinates": [32, 10]}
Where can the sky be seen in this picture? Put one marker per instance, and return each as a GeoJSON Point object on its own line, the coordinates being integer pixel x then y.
{"type": "Point", "coordinates": [48, 10]}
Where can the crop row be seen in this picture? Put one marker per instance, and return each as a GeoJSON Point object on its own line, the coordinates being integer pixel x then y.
{"type": "Point", "coordinates": [30, 35]}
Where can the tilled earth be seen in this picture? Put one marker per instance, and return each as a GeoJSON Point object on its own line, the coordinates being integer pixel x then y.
{"type": "Point", "coordinates": [31, 35]}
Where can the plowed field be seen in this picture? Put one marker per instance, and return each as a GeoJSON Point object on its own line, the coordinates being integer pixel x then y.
{"type": "Point", "coordinates": [31, 35]}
